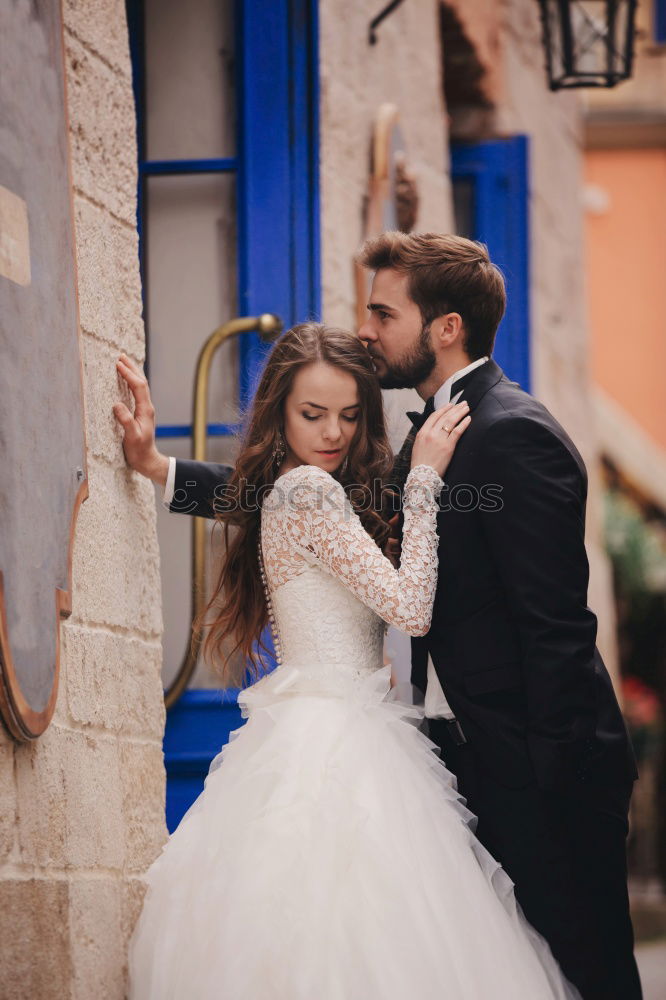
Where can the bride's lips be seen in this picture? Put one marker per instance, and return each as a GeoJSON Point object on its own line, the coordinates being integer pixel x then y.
{"type": "Point", "coordinates": [330, 453]}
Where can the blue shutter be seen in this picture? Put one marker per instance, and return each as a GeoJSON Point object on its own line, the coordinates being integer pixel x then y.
{"type": "Point", "coordinates": [493, 179]}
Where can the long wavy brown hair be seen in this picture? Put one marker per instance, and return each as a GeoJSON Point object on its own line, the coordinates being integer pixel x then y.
{"type": "Point", "coordinates": [236, 614]}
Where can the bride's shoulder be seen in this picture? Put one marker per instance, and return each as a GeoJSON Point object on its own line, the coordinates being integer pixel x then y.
{"type": "Point", "coordinates": [306, 475]}
{"type": "Point", "coordinates": [307, 486]}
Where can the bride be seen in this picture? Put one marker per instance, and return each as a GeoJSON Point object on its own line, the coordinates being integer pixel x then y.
{"type": "Point", "coordinates": [329, 856]}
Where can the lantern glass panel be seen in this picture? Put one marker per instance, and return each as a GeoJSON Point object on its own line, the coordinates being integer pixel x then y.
{"type": "Point", "coordinates": [588, 41]}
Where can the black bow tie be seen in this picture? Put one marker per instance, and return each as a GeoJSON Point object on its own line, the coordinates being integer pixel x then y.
{"type": "Point", "coordinates": [418, 419]}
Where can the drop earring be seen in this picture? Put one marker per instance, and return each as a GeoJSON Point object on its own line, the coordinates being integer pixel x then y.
{"type": "Point", "coordinates": [279, 451]}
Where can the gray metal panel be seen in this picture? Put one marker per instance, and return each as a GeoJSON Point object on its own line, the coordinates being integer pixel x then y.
{"type": "Point", "coordinates": [42, 442]}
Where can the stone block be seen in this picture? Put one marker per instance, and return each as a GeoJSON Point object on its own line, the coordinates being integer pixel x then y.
{"type": "Point", "coordinates": [34, 939]}
{"type": "Point", "coordinates": [102, 131]}
{"type": "Point", "coordinates": [133, 893]}
{"type": "Point", "coordinates": [103, 387]}
{"type": "Point", "coordinates": [7, 799]}
{"type": "Point", "coordinates": [60, 716]}
{"type": "Point", "coordinates": [70, 801]}
{"type": "Point", "coordinates": [116, 558]}
{"type": "Point", "coordinates": [42, 815]}
{"type": "Point", "coordinates": [102, 27]}
{"type": "Point", "coordinates": [114, 682]}
{"type": "Point", "coordinates": [93, 791]}
{"type": "Point", "coordinates": [109, 281]}
{"type": "Point", "coordinates": [144, 797]}
{"type": "Point", "coordinates": [97, 942]}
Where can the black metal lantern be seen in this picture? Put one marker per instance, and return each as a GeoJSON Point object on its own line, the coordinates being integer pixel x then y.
{"type": "Point", "coordinates": [588, 43]}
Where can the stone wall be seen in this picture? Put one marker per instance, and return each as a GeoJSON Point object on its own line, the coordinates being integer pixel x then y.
{"type": "Point", "coordinates": [404, 68]}
{"type": "Point", "coordinates": [82, 807]}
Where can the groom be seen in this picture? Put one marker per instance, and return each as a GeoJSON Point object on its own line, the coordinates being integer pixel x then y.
{"type": "Point", "coordinates": [519, 699]}
{"type": "Point", "coordinates": [537, 741]}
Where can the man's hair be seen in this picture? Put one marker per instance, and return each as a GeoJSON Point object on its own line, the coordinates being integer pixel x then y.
{"type": "Point", "coordinates": [445, 274]}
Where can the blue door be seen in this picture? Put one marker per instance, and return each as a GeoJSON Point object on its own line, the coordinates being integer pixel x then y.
{"type": "Point", "coordinates": [227, 97]}
{"type": "Point", "coordinates": [491, 199]}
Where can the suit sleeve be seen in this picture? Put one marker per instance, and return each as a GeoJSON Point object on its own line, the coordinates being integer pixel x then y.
{"type": "Point", "coordinates": [537, 540]}
{"type": "Point", "coordinates": [197, 485]}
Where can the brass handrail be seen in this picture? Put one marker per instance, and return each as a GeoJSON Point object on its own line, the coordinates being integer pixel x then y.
{"type": "Point", "coordinates": [269, 327]}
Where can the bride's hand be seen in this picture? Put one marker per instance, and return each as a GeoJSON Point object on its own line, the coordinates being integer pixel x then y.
{"type": "Point", "coordinates": [437, 439]}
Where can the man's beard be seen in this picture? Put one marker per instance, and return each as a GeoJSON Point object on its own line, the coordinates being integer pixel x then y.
{"type": "Point", "coordinates": [413, 368]}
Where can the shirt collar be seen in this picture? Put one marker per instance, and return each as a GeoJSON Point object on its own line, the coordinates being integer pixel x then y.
{"type": "Point", "coordinates": [443, 394]}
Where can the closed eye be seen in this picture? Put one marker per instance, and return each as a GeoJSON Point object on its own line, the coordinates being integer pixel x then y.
{"type": "Point", "coordinates": [350, 420]}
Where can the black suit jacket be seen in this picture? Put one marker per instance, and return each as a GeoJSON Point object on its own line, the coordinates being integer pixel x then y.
{"type": "Point", "coordinates": [512, 638]}
{"type": "Point", "coordinates": [197, 486]}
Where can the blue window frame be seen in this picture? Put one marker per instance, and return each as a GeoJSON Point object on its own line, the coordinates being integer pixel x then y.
{"type": "Point", "coordinates": [279, 263]}
{"type": "Point", "coordinates": [660, 21]}
{"type": "Point", "coordinates": [491, 194]}
{"type": "Point", "coordinates": [276, 168]}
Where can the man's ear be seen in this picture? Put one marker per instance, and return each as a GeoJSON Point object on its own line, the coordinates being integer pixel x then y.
{"type": "Point", "coordinates": [449, 329]}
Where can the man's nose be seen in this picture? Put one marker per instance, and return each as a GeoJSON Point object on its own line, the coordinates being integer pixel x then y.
{"type": "Point", "coordinates": [366, 333]}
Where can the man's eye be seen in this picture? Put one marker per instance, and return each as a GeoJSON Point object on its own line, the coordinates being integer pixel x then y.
{"type": "Point", "coordinates": [382, 314]}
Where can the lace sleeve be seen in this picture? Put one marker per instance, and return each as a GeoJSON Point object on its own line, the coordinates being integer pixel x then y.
{"type": "Point", "coordinates": [320, 520]}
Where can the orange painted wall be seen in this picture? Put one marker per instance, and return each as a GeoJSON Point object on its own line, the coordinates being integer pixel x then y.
{"type": "Point", "coordinates": [626, 275]}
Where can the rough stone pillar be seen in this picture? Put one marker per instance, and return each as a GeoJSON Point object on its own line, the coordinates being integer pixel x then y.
{"type": "Point", "coordinates": [82, 807]}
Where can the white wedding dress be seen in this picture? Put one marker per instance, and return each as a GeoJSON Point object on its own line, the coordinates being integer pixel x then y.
{"type": "Point", "coordinates": [329, 856]}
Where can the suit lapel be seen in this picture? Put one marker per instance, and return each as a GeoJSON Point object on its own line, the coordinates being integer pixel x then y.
{"type": "Point", "coordinates": [477, 383]}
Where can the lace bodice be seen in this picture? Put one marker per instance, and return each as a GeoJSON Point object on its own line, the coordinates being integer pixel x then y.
{"type": "Point", "coordinates": [332, 589]}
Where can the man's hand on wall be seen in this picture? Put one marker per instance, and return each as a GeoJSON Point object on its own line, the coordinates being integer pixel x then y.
{"type": "Point", "coordinates": [139, 427]}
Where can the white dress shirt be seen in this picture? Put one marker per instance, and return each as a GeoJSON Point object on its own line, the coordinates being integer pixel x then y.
{"type": "Point", "coordinates": [170, 484]}
{"type": "Point", "coordinates": [443, 394]}
{"type": "Point", "coordinates": [436, 705]}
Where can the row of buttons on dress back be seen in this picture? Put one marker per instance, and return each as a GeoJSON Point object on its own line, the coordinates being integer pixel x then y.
{"type": "Point", "coordinates": [269, 605]}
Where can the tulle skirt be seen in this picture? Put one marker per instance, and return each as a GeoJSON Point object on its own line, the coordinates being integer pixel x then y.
{"type": "Point", "coordinates": [330, 857]}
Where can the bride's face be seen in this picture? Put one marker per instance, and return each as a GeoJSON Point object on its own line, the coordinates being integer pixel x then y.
{"type": "Point", "coordinates": [321, 415]}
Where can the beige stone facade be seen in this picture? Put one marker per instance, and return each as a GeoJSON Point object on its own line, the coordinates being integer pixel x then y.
{"type": "Point", "coordinates": [404, 68]}
{"type": "Point", "coordinates": [82, 808]}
